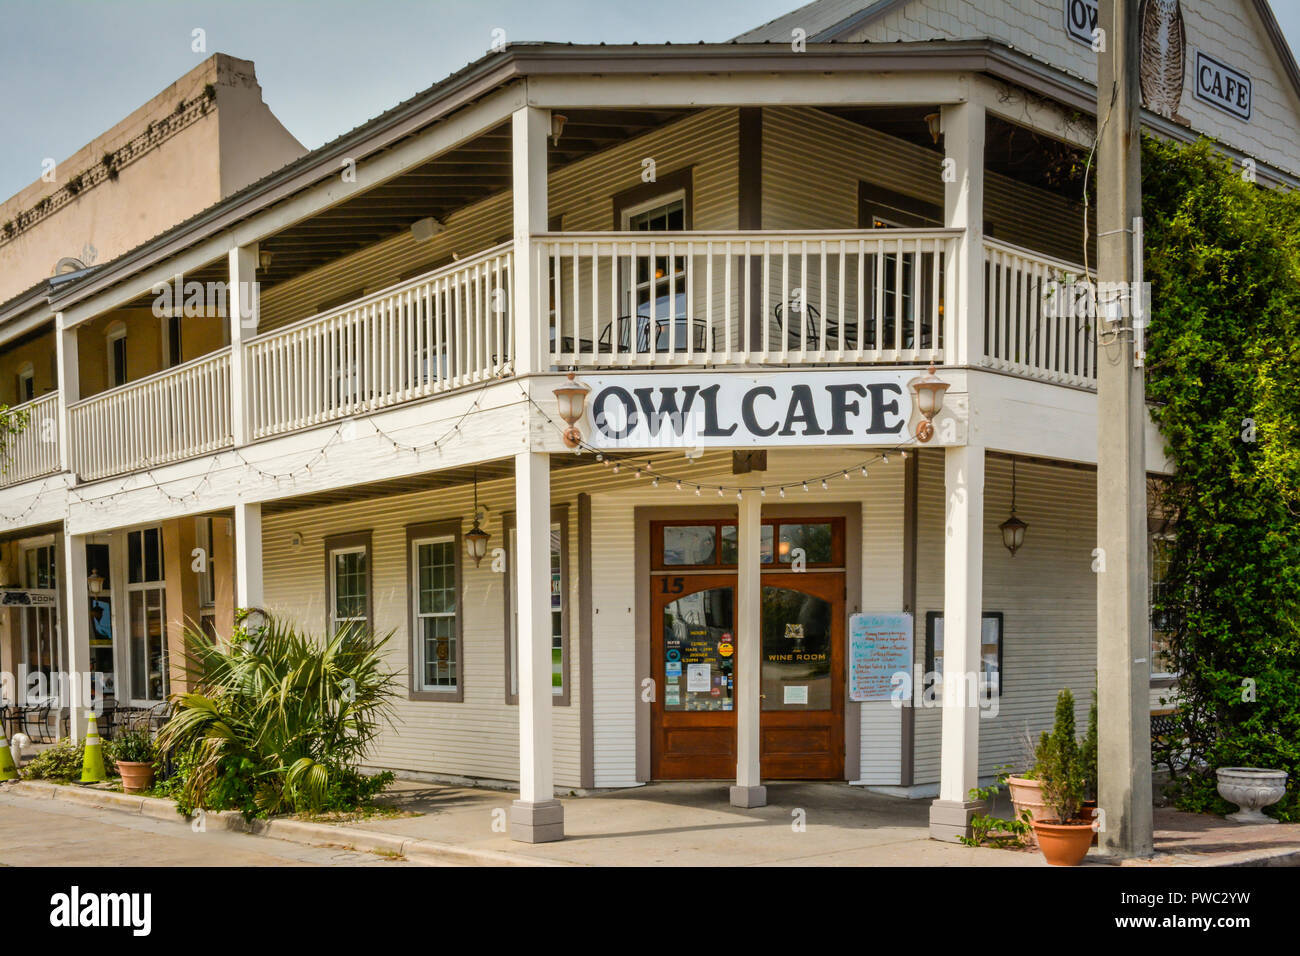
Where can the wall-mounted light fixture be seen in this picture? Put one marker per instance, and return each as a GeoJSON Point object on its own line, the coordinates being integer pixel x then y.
{"type": "Point", "coordinates": [94, 583]}
{"type": "Point", "coordinates": [571, 401]}
{"type": "Point", "coordinates": [928, 389]}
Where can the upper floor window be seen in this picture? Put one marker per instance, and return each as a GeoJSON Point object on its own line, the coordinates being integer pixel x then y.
{"type": "Point", "coordinates": [659, 282]}
{"type": "Point", "coordinates": [26, 382]}
{"type": "Point", "coordinates": [174, 351]}
{"type": "Point", "coordinates": [116, 349]}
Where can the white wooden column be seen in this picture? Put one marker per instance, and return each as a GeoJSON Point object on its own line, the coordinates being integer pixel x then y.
{"type": "Point", "coordinates": [75, 624]}
{"type": "Point", "coordinates": [963, 208]}
{"type": "Point", "coordinates": [530, 128]}
{"type": "Point", "coordinates": [749, 790]}
{"type": "Point", "coordinates": [963, 607]}
{"type": "Point", "coordinates": [69, 372]}
{"type": "Point", "coordinates": [243, 309]}
{"type": "Point", "coordinates": [536, 817]}
{"type": "Point", "coordinates": [248, 555]}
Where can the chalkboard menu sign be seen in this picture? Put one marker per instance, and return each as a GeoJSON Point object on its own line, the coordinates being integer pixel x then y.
{"type": "Point", "coordinates": [880, 646]}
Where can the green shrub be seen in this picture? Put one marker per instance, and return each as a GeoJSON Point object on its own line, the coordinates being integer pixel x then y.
{"type": "Point", "coordinates": [282, 722]}
{"type": "Point", "coordinates": [133, 746]}
{"type": "Point", "coordinates": [1223, 365]}
{"type": "Point", "coordinates": [62, 763]}
{"type": "Point", "coordinates": [1088, 753]}
{"type": "Point", "coordinates": [1059, 763]}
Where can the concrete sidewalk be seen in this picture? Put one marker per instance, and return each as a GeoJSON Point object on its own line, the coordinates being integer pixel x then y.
{"type": "Point", "coordinates": [692, 824]}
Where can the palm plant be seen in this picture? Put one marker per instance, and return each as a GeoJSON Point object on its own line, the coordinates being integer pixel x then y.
{"type": "Point", "coordinates": [285, 711]}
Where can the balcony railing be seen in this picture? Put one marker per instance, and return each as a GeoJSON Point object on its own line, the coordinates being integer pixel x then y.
{"type": "Point", "coordinates": [440, 331]}
{"type": "Point", "coordinates": [33, 452]}
{"type": "Point", "coordinates": [1031, 327]}
{"type": "Point", "coordinates": [704, 298]}
{"type": "Point", "coordinates": [610, 300]}
{"type": "Point", "coordinates": [176, 414]}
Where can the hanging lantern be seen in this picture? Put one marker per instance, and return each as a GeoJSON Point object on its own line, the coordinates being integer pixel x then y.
{"type": "Point", "coordinates": [1013, 529]}
{"type": "Point", "coordinates": [476, 539]}
{"type": "Point", "coordinates": [94, 583]}
{"type": "Point", "coordinates": [571, 400]}
{"type": "Point", "coordinates": [928, 389]}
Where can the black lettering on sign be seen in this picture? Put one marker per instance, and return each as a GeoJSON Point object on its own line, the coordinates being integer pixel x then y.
{"type": "Point", "coordinates": [1081, 20]}
{"type": "Point", "coordinates": [1223, 87]}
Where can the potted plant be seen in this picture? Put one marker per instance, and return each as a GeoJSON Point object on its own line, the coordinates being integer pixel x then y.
{"type": "Point", "coordinates": [134, 753]}
{"type": "Point", "coordinates": [1065, 837]}
{"type": "Point", "coordinates": [1026, 790]}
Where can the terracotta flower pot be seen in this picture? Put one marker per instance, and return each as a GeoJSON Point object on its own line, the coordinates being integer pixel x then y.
{"type": "Point", "coordinates": [1064, 844]}
{"type": "Point", "coordinates": [136, 777]}
{"type": "Point", "coordinates": [1027, 794]}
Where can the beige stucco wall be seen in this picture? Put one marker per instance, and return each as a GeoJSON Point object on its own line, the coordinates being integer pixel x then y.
{"type": "Point", "coordinates": [145, 344]}
{"type": "Point", "coordinates": [222, 143]}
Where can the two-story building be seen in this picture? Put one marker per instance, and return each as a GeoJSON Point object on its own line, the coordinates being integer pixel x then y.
{"type": "Point", "coordinates": [747, 253]}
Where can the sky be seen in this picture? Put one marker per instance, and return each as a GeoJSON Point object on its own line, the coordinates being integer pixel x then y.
{"type": "Point", "coordinates": [70, 69]}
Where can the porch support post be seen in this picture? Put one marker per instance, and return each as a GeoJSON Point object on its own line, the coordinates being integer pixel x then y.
{"type": "Point", "coordinates": [248, 555]}
{"type": "Point", "coordinates": [963, 607]}
{"type": "Point", "coordinates": [243, 307]}
{"type": "Point", "coordinates": [536, 817]}
{"type": "Point", "coordinates": [69, 371]}
{"type": "Point", "coordinates": [748, 791]}
{"type": "Point", "coordinates": [75, 623]}
{"type": "Point", "coordinates": [529, 129]}
{"type": "Point", "coordinates": [963, 208]}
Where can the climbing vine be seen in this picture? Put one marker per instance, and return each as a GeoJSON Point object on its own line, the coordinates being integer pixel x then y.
{"type": "Point", "coordinates": [1223, 259]}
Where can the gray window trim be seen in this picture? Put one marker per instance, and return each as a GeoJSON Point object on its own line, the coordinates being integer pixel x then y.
{"type": "Point", "coordinates": [338, 542]}
{"type": "Point", "coordinates": [416, 532]}
{"type": "Point", "coordinates": [560, 516]}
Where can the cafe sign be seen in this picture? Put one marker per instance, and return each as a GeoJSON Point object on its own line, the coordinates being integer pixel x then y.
{"type": "Point", "coordinates": [768, 409]}
{"type": "Point", "coordinates": [1222, 87]}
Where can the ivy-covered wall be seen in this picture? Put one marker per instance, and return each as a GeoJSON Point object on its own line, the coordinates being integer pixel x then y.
{"type": "Point", "coordinates": [1223, 259]}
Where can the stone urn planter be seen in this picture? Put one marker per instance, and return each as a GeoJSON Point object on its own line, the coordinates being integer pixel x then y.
{"type": "Point", "coordinates": [1252, 789]}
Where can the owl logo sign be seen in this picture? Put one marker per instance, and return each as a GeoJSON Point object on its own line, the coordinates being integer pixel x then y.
{"type": "Point", "coordinates": [1164, 56]}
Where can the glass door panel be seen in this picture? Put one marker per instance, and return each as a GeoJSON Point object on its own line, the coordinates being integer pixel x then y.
{"type": "Point", "coordinates": [796, 651]}
{"type": "Point", "coordinates": [700, 652]}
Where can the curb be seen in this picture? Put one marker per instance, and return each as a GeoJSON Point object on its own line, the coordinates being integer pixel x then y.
{"type": "Point", "coordinates": [422, 852]}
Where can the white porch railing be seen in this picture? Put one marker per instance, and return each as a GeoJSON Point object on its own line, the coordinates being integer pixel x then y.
{"type": "Point", "coordinates": [1030, 325]}
{"type": "Point", "coordinates": [439, 331]}
{"type": "Point", "coordinates": [176, 414]}
{"type": "Point", "coordinates": [33, 452]}
{"type": "Point", "coordinates": [705, 298]}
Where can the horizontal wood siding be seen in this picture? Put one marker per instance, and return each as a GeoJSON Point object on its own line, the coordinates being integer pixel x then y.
{"type": "Point", "coordinates": [1047, 594]}
{"type": "Point", "coordinates": [580, 193]}
{"type": "Point", "coordinates": [478, 737]}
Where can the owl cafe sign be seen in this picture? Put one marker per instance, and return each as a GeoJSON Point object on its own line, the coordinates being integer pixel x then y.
{"type": "Point", "coordinates": [1164, 56]}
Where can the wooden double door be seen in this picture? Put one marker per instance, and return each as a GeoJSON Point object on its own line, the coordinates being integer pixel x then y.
{"type": "Point", "coordinates": [694, 655]}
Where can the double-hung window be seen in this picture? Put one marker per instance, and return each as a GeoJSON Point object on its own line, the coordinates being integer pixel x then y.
{"type": "Point", "coordinates": [433, 558]}
{"type": "Point", "coordinates": [348, 581]}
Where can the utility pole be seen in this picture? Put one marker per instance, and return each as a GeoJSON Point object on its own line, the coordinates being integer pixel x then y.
{"type": "Point", "coordinates": [1123, 645]}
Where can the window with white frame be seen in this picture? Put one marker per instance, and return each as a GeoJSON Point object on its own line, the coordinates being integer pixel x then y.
{"type": "Point", "coordinates": [115, 348]}
{"type": "Point", "coordinates": [26, 382]}
{"type": "Point", "coordinates": [207, 578]}
{"type": "Point", "coordinates": [147, 615]}
{"type": "Point", "coordinates": [658, 286]}
{"type": "Point", "coordinates": [559, 585]}
{"type": "Point", "coordinates": [1159, 556]}
{"type": "Point", "coordinates": [435, 609]}
{"type": "Point", "coordinates": [348, 572]}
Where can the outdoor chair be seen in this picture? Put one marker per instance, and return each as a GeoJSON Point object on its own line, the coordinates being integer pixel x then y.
{"type": "Point", "coordinates": [795, 334]}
